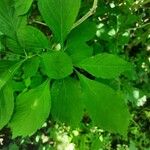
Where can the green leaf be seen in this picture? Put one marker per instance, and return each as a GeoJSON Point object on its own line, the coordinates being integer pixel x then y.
{"type": "Point", "coordinates": [30, 37]}
{"type": "Point", "coordinates": [22, 6]}
{"type": "Point", "coordinates": [126, 22]}
{"type": "Point", "coordinates": [18, 86]}
{"type": "Point", "coordinates": [6, 20]}
{"type": "Point", "coordinates": [97, 144]}
{"type": "Point", "coordinates": [57, 65]}
{"type": "Point", "coordinates": [1, 46]}
{"type": "Point", "coordinates": [79, 52]}
{"type": "Point", "coordinates": [83, 33]}
{"type": "Point", "coordinates": [12, 147]}
{"type": "Point", "coordinates": [8, 73]}
{"type": "Point", "coordinates": [106, 108]}
{"type": "Point", "coordinates": [4, 64]}
{"type": "Point", "coordinates": [77, 47]}
{"type": "Point", "coordinates": [59, 15]}
{"type": "Point", "coordinates": [67, 102]}
{"type": "Point", "coordinates": [30, 67]}
{"type": "Point", "coordinates": [105, 65]}
{"type": "Point", "coordinates": [9, 21]}
{"type": "Point", "coordinates": [32, 108]}
{"type": "Point", "coordinates": [13, 45]}
{"type": "Point", "coordinates": [6, 105]}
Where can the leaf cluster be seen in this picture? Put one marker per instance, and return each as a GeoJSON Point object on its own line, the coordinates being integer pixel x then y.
{"type": "Point", "coordinates": [61, 75]}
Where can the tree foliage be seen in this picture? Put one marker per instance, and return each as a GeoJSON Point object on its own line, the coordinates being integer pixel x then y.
{"type": "Point", "coordinates": [71, 67]}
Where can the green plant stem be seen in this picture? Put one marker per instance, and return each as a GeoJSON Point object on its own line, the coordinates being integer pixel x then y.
{"type": "Point", "coordinates": [144, 25]}
{"type": "Point", "coordinates": [140, 3]}
{"type": "Point", "coordinates": [139, 27]}
{"type": "Point", "coordinates": [87, 15]}
{"type": "Point", "coordinates": [39, 22]}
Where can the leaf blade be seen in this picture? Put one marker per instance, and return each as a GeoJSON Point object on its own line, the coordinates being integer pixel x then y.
{"type": "Point", "coordinates": [30, 67]}
{"type": "Point", "coordinates": [7, 74]}
{"type": "Point", "coordinates": [22, 7]}
{"type": "Point", "coordinates": [106, 108]}
{"type": "Point", "coordinates": [55, 14]}
{"type": "Point", "coordinates": [79, 52]}
{"type": "Point", "coordinates": [57, 65]}
{"type": "Point", "coordinates": [82, 33]}
{"type": "Point", "coordinates": [67, 103]}
{"type": "Point", "coordinates": [9, 21]}
{"type": "Point", "coordinates": [105, 65]}
{"type": "Point", "coordinates": [32, 107]}
{"type": "Point", "coordinates": [6, 105]}
{"type": "Point", "coordinates": [30, 37]}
